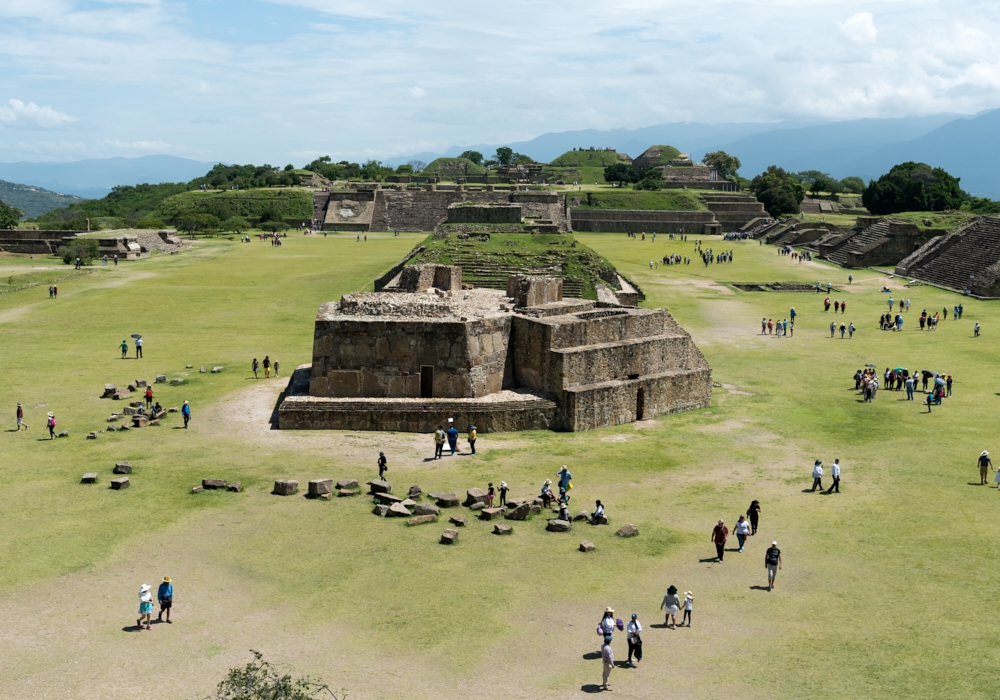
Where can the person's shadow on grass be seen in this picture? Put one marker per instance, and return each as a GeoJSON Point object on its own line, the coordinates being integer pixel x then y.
{"type": "Point", "coordinates": [660, 626]}
{"type": "Point", "coordinates": [759, 588]}
{"type": "Point", "coordinates": [710, 560]}
{"type": "Point", "coordinates": [132, 628]}
{"type": "Point", "coordinates": [591, 688]}
{"type": "Point", "coordinates": [592, 655]}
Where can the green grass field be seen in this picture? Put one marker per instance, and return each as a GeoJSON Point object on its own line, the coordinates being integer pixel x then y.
{"type": "Point", "coordinates": [885, 591]}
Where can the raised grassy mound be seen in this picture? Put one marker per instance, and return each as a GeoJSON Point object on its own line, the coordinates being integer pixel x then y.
{"type": "Point", "coordinates": [656, 156]}
{"type": "Point", "coordinates": [589, 159]}
{"type": "Point", "coordinates": [285, 202]}
{"type": "Point", "coordinates": [664, 200]}
{"type": "Point", "coordinates": [450, 168]}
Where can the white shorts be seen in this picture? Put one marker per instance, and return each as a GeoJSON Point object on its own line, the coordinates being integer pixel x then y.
{"type": "Point", "coordinates": [672, 610]}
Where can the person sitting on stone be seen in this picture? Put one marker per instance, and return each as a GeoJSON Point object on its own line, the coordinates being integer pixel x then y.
{"type": "Point", "coordinates": [564, 497]}
{"type": "Point", "coordinates": [546, 495]}
{"type": "Point", "coordinates": [157, 409]}
{"type": "Point", "coordinates": [597, 517]}
{"type": "Point", "coordinates": [563, 512]}
{"type": "Point", "coordinates": [140, 410]}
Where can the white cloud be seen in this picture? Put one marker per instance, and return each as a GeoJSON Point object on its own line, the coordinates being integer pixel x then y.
{"type": "Point", "coordinates": [417, 91]}
{"type": "Point", "coordinates": [31, 116]}
{"type": "Point", "coordinates": [860, 28]}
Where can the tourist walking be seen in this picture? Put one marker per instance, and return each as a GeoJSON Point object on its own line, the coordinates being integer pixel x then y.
{"type": "Point", "coordinates": [753, 512]}
{"type": "Point", "coordinates": [145, 606]}
{"type": "Point", "coordinates": [670, 605]}
{"type": "Point", "coordinates": [850, 279]}
{"type": "Point", "coordinates": [850, 330]}
{"type": "Point", "coordinates": [149, 397]}
{"type": "Point", "coordinates": [910, 384]}
{"type": "Point", "coordinates": [742, 531]}
{"type": "Point", "coordinates": [975, 330]}
{"type": "Point", "coordinates": [608, 662]}
{"type": "Point", "coordinates": [20, 418]}
{"type": "Point", "coordinates": [382, 466]}
{"type": "Point", "coordinates": [948, 382]}
{"type": "Point", "coordinates": [124, 349]}
{"type": "Point", "coordinates": [818, 475]}
{"type": "Point", "coordinates": [985, 464]}
{"type": "Point", "coordinates": [719, 536]}
{"type": "Point", "coordinates": [267, 367]}
{"type": "Point", "coordinates": [472, 438]}
{"type": "Point", "coordinates": [772, 562]}
{"type": "Point", "coordinates": [634, 636]}
{"type": "Point", "coordinates": [276, 368]}
{"type": "Point", "coordinates": [503, 493]}
{"type": "Point", "coordinates": [165, 597]}
{"type": "Point", "coordinates": [565, 478]}
{"type": "Point", "coordinates": [51, 425]}
{"type": "Point", "coordinates": [255, 366]}
{"type": "Point", "coordinates": [452, 437]}
{"type": "Point", "coordinates": [439, 438]}
{"type": "Point", "coordinates": [833, 328]}
{"type": "Point", "coordinates": [138, 348]}
{"type": "Point", "coordinates": [835, 474]}
{"type": "Point", "coordinates": [688, 605]}
{"type": "Point", "coordinates": [186, 413]}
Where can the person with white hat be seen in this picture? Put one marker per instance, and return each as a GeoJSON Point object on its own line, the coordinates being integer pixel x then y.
{"type": "Point", "coordinates": [818, 475]}
{"type": "Point", "coordinates": [20, 418]}
{"type": "Point", "coordinates": [688, 606]}
{"type": "Point", "coordinates": [51, 425]}
{"type": "Point", "coordinates": [772, 562]}
{"type": "Point", "coordinates": [503, 493]}
{"type": "Point", "coordinates": [145, 606]}
{"type": "Point", "coordinates": [985, 464]}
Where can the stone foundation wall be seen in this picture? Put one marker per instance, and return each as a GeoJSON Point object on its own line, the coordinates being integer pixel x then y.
{"type": "Point", "coordinates": [484, 214]}
{"type": "Point", "coordinates": [421, 210]}
{"type": "Point", "coordinates": [623, 220]}
{"type": "Point", "coordinates": [534, 291]}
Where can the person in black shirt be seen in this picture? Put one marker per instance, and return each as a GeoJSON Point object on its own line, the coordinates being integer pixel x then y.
{"type": "Point", "coordinates": [984, 466]}
{"type": "Point", "coordinates": [382, 468]}
{"type": "Point", "coordinates": [753, 512]}
{"type": "Point", "coordinates": [772, 562]}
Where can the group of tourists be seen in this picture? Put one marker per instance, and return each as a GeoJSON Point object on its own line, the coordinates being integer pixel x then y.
{"type": "Point", "coordinates": [779, 328]}
{"type": "Point", "coordinates": [817, 474]}
{"type": "Point", "coordinates": [708, 257]}
{"type": "Point", "coordinates": [451, 436]}
{"type": "Point", "coordinates": [737, 236]}
{"type": "Point", "coordinates": [53, 292]}
{"type": "Point", "coordinates": [674, 259]}
{"type": "Point", "coordinates": [165, 598]}
{"type": "Point", "coordinates": [845, 328]}
{"type": "Point", "coordinates": [838, 305]}
{"type": "Point", "coordinates": [255, 366]}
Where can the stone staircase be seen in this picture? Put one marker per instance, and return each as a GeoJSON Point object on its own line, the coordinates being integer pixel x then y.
{"type": "Point", "coordinates": [972, 253]}
{"type": "Point", "coordinates": [860, 243]}
{"type": "Point", "coordinates": [733, 210]}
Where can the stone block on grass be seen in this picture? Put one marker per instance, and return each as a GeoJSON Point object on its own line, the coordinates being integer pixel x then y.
{"type": "Point", "coordinates": [408, 503]}
{"type": "Point", "coordinates": [379, 486]}
{"type": "Point", "coordinates": [587, 546]}
{"type": "Point", "coordinates": [120, 483]}
{"type": "Point", "coordinates": [582, 515]}
{"type": "Point", "coordinates": [197, 489]}
{"type": "Point", "coordinates": [600, 520]}
{"type": "Point", "coordinates": [449, 536]}
{"type": "Point", "coordinates": [534, 509]}
{"type": "Point", "coordinates": [214, 484]}
{"type": "Point", "coordinates": [235, 486]}
{"type": "Point", "coordinates": [216, 370]}
{"type": "Point", "coordinates": [426, 509]}
{"type": "Point", "coordinates": [398, 510]}
{"type": "Point", "coordinates": [121, 394]}
{"type": "Point", "coordinates": [318, 487]}
{"type": "Point", "coordinates": [141, 383]}
{"type": "Point", "coordinates": [347, 484]}
{"type": "Point", "coordinates": [457, 520]}
{"type": "Point", "coordinates": [285, 487]}
{"type": "Point", "coordinates": [473, 496]}
{"type": "Point", "coordinates": [557, 525]}
{"type": "Point", "coordinates": [64, 433]}
{"type": "Point", "coordinates": [477, 506]}
{"type": "Point", "coordinates": [91, 435]}
{"type": "Point", "coordinates": [132, 387]}
{"type": "Point", "coordinates": [177, 381]}
{"type": "Point", "coordinates": [161, 379]}
{"type": "Point", "coordinates": [415, 492]}
{"type": "Point", "coordinates": [518, 512]}
{"type": "Point", "coordinates": [109, 391]}
{"type": "Point", "coordinates": [89, 478]}
{"type": "Point", "coordinates": [129, 411]}
{"type": "Point", "coordinates": [421, 519]}
{"type": "Point", "coordinates": [386, 498]}
{"type": "Point", "coordinates": [381, 510]}
{"type": "Point", "coordinates": [139, 421]}
{"type": "Point", "coordinates": [628, 531]}
{"type": "Point", "coordinates": [202, 370]}
{"type": "Point", "coordinates": [345, 493]}
{"type": "Point", "coordinates": [446, 500]}
{"type": "Point", "coordinates": [491, 513]}
{"type": "Point", "coordinates": [502, 529]}
{"type": "Point", "coordinates": [123, 468]}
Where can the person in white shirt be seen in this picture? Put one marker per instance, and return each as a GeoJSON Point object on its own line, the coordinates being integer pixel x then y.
{"type": "Point", "coordinates": [818, 475]}
{"type": "Point", "coordinates": [634, 630]}
{"type": "Point", "coordinates": [688, 605]}
{"type": "Point", "coordinates": [835, 473]}
{"type": "Point", "coordinates": [742, 531]}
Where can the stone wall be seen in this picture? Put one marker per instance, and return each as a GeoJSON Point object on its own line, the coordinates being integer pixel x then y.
{"type": "Point", "coordinates": [484, 214]}
{"type": "Point", "coordinates": [623, 220]}
{"type": "Point", "coordinates": [534, 291]}
{"type": "Point", "coordinates": [349, 211]}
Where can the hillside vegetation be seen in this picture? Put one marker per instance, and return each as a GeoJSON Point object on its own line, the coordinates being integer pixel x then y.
{"type": "Point", "coordinates": [274, 204]}
{"type": "Point", "coordinates": [662, 154]}
{"type": "Point", "coordinates": [34, 200]}
{"type": "Point", "coordinates": [664, 200]}
{"type": "Point", "coordinates": [453, 167]}
{"type": "Point", "coordinates": [588, 159]}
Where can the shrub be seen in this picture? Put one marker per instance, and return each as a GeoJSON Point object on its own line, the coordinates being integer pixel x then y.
{"type": "Point", "coordinates": [259, 680]}
{"type": "Point", "coordinates": [87, 249]}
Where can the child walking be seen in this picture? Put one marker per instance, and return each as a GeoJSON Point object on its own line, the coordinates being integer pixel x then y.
{"type": "Point", "coordinates": [688, 604]}
{"type": "Point", "coordinates": [382, 465]}
{"type": "Point", "coordinates": [490, 494]}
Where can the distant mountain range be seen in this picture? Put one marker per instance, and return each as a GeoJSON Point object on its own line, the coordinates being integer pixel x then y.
{"type": "Point", "coordinates": [33, 200]}
{"type": "Point", "coordinates": [965, 146]}
{"type": "Point", "coordinates": [94, 178]}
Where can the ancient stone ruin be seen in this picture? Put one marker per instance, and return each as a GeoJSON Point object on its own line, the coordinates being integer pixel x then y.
{"type": "Point", "coordinates": [524, 358]}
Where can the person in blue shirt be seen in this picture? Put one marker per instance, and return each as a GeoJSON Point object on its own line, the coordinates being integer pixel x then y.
{"type": "Point", "coordinates": [453, 438]}
{"type": "Point", "coordinates": [564, 477]}
{"type": "Point", "coordinates": [165, 596]}
{"type": "Point", "coordinates": [186, 413]}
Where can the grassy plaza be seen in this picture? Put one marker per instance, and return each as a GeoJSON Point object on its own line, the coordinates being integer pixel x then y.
{"type": "Point", "coordinates": [884, 591]}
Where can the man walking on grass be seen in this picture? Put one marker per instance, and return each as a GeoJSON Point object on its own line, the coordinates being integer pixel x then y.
{"type": "Point", "coordinates": [165, 596]}
{"type": "Point", "coordinates": [608, 661]}
{"type": "Point", "coordinates": [772, 562]}
{"type": "Point", "coordinates": [439, 438]}
{"type": "Point", "coordinates": [985, 463]}
{"type": "Point", "coordinates": [835, 473]}
{"type": "Point", "coordinates": [818, 475]}
{"type": "Point", "coordinates": [20, 418]}
{"type": "Point", "coordinates": [719, 536]}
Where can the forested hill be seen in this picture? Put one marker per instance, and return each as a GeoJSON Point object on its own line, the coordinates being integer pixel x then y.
{"type": "Point", "coordinates": [34, 201]}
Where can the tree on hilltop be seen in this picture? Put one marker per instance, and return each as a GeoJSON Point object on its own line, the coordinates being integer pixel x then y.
{"type": "Point", "coordinates": [853, 184]}
{"type": "Point", "coordinates": [475, 156]}
{"type": "Point", "coordinates": [724, 163]}
{"type": "Point", "coordinates": [778, 191]}
{"type": "Point", "coordinates": [504, 155]}
{"type": "Point", "coordinates": [417, 165]}
{"type": "Point", "coordinates": [620, 173]}
{"type": "Point", "coordinates": [913, 187]}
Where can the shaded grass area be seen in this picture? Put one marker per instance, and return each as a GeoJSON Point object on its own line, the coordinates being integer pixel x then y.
{"type": "Point", "coordinates": [668, 200]}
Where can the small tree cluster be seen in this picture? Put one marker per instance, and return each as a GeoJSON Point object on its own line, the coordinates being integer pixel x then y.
{"type": "Point", "coordinates": [86, 249]}
{"type": "Point", "coordinates": [259, 680]}
{"type": "Point", "coordinates": [779, 192]}
{"type": "Point", "coordinates": [9, 216]}
{"type": "Point", "coordinates": [913, 187]}
{"type": "Point", "coordinates": [725, 164]}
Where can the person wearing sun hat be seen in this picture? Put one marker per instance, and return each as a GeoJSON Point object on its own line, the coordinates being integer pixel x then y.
{"type": "Point", "coordinates": [186, 413]}
{"type": "Point", "coordinates": [145, 606]}
{"type": "Point", "coordinates": [984, 465]}
{"type": "Point", "coordinates": [165, 596]}
{"type": "Point", "coordinates": [688, 605]}
{"type": "Point", "coordinates": [51, 425]}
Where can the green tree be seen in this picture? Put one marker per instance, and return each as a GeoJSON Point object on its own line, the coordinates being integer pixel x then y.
{"type": "Point", "coordinates": [652, 179]}
{"type": "Point", "coordinates": [236, 224]}
{"type": "Point", "coordinates": [778, 191]}
{"type": "Point", "coordinates": [272, 225]}
{"type": "Point", "coordinates": [913, 186]}
{"type": "Point", "coordinates": [87, 249]}
{"type": "Point", "coordinates": [853, 184]}
{"type": "Point", "coordinates": [9, 216]}
{"type": "Point", "coordinates": [521, 159]}
{"type": "Point", "coordinates": [150, 221]}
{"type": "Point", "coordinates": [191, 222]}
{"type": "Point", "coordinates": [724, 163]}
{"type": "Point", "coordinates": [475, 156]}
{"type": "Point", "coordinates": [259, 680]}
{"type": "Point", "coordinates": [620, 173]}
{"type": "Point", "coordinates": [405, 169]}
{"type": "Point", "coordinates": [504, 155]}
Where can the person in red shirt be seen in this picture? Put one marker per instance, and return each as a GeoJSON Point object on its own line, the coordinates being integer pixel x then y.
{"type": "Point", "coordinates": [719, 536]}
{"type": "Point", "coordinates": [149, 396]}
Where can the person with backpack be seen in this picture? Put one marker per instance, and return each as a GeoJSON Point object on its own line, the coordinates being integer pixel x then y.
{"type": "Point", "coordinates": [51, 425]}
{"type": "Point", "coordinates": [439, 438]}
{"type": "Point", "coordinates": [149, 396]}
{"type": "Point", "coordinates": [452, 433]}
{"type": "Point", "coordinates": [985, 463]}
{"type": "Point", "coordinates": [772, 562]}
{"type": "Point", "coordinates": [20, 418]}
{"type": "Point", "coordinates": [186, 413]}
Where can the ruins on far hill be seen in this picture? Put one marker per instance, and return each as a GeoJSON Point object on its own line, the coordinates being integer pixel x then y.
{"type": "Point", "coordinates": [521, 358]}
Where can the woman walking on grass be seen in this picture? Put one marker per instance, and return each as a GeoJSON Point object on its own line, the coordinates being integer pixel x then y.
{"type": "Point", "coordinates": [671, 604]}
{"type": "Point", "coordinates": [742, 531]}
{"type": "Point", "coordinates": [145, 606]}
{"type": "Point", "coordinates": [51, 425]}
{"type": "Point", "coordinates": [753, 512]}
{"type": "Point", "coordinates": [255, 366]}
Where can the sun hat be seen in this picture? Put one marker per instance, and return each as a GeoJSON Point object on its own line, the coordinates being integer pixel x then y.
{"type": "Point", "coordinates": [984, 454]}
{"type": "Point", "coordinates": [52, 414]}
{"type": "Point", "coordinates": [185, 402]}
{"type": "Point", "coordinates": [720, 522]}
{"type": "Point", "coordinates": [609, 610]}
{"type": "Point", "coordinates": [503, 483]}
{"type": "Point", "coordinates": [166, 579]}
{"type": "Point", "coordinates": [688, 594]}
{"type": "Point", "coordinates": [548, 481]}
{"type": "Point", "coordinates": [775, 543]}
{"type": "Point", "coordinates": [144, 587]}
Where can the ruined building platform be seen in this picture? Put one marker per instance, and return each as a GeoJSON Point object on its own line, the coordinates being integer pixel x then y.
{"type": "Point", "coordinates": [504, 360]}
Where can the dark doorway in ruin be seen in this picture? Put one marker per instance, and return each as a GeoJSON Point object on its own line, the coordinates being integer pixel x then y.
{"type": "Point", "coordinates": [426, 382]}
{"type": "Point", "coordinates": [640, 403]}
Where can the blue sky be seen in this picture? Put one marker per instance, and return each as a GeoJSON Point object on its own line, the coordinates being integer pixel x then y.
{"type": "Point", "coordinates": [286, 80]}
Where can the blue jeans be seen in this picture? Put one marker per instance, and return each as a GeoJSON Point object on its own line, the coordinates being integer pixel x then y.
{"type": "Point", "coordinates": [909, 394]}
{"type": "Point", "coordinates": [742, 539]}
